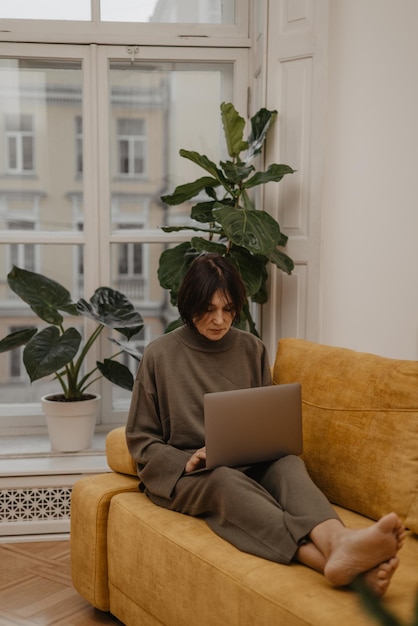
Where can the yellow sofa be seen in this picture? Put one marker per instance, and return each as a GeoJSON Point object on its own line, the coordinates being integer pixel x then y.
{"type": "Point", "coordinates": [149, 566]}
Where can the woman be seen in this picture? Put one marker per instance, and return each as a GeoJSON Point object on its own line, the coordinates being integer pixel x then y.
{"type": "Point", "coordinates": [272, 510]}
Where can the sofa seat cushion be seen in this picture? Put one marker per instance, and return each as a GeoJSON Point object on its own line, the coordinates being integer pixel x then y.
{"type": "Point", "coordinates": [360, 421]}
{"type": "Point", "coordinates": [179, 572]}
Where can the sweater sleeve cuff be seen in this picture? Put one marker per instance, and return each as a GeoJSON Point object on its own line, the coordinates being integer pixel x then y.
{"type": "Point", "coordinates": [162, 472]}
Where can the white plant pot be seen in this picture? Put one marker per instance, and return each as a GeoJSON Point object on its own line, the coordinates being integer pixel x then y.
{"type": "Point", "coordinates": [70, 424]}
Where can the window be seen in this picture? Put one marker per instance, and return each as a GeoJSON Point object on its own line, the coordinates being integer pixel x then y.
{"type": "Point", "coordinates": [107, 149]}
{"type": "Point", "coordinates": [19, 144]}
{"type": "Point", "coordinates": [132, 147]}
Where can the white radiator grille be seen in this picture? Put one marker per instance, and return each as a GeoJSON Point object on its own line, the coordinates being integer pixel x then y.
{"type": "Point", "coordinates": [35, 504]}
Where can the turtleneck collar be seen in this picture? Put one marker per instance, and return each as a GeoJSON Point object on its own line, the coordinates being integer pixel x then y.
{"type": "Point", "coordinates": [194, 340]}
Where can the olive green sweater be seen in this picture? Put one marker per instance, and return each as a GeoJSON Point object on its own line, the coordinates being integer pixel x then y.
{"type": "Point", "coordinates": [165, 423]}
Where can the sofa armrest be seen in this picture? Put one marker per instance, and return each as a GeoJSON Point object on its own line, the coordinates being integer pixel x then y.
{"type": "Point", "coordinates": [117, 453]}
{"type": "Point", "coordinates": [90, 501]}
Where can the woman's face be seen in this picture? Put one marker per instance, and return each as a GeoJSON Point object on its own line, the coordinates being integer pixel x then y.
{"type": "Point", "coordinates": [215, 323]}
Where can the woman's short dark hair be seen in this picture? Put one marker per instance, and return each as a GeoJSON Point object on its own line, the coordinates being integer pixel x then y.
{"type": "Point", "coordinates": [207, 274]}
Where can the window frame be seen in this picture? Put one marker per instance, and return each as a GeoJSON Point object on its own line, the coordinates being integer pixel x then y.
{"type": "Point", "coordinates": [97, 235]}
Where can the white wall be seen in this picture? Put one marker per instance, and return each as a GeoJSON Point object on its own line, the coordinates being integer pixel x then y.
{"type": "Point", "coordinates": [369, 261]}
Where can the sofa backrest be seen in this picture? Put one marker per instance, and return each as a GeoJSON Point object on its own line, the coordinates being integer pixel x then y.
{"type": "Point", "coordinates": [360, 421]}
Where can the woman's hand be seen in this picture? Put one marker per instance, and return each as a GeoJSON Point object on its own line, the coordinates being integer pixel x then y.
{"type": "Point", "coordinates": [196, 461]}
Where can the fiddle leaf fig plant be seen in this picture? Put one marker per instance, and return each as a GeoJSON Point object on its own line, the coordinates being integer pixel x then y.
{"type": "Point", "coordinates": [57, 350]}
{"type": "Point", "coordinates": [226, 220]}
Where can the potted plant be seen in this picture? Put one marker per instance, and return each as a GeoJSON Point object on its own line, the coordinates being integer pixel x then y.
{"type": "Point", "coordinates": [62, 351]}
{"type": "Point", "coordinates": [231, 225]}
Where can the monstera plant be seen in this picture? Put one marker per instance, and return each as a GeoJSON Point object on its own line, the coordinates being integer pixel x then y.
{"type": "Point", "coordinates": [61, 351]}
{"type": "Point", "coordinates": [225, 218]}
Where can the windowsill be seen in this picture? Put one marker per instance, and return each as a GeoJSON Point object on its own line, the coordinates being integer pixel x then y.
{"type": "Point", "coordinates": [24, 446]}
{"type": "Point", "coordinates": [27, 460]}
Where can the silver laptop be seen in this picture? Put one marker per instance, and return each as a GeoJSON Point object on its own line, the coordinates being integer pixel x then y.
{"type": "Point", "coordinates": [248, 426]}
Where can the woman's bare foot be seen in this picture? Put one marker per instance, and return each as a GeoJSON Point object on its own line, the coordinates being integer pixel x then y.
{"type": "Point", "coordinates": [355, 552]}
{"type": "Point", "coordinates": [378, 578]}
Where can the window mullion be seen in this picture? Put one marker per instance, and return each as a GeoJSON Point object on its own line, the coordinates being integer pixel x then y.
{"type": "Point", "coordinates": [91, 181]}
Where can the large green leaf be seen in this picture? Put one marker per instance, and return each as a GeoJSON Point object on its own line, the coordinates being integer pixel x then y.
{"type": "Point", "coordinates": [234, 126]}
{"type": "Point", "coordinates": [208, 165]}
{"type": "Point", "coordinates": [261, 296]}
{"type": "Point", "coordinates": [44, 295]}
{"type": "Point", "coordinates": [274, 173]}
{"type": "Point", "coordinates": [250, 268]}
{"type": "Point", "coordinates": [255, 230]}
{"type": "Point", "coordinates": [182, 193]}
{"type": "Point", "coordinates": [204, 245]}
{"type": "Point", "coordinates": [117, 373]}
{"type": "Point", "coordinates": [17, 339]}
{"type": "Point", "coordinates": [283, 240]}
{"type": "Point", "coordinates": [211, 192]}
{"type": "Point", "coordinates": [246, 201]}
{"type": "Point", "coordinates": [49, 351]}
{"type": "Point", "coordinates": [260, 124]}
{"type": "Point", "coordinates": [113, 309]}
{"type": "Point", "coordinates": [173, 265]}
{"type": "Point", "coordinates": [236, 172]}
{"type": "Point", "coordinates": [177, 229]}
{"type": "Point", "coordinates": [282, 261]}
{"type": "Point", "coordinates": [202, 212]}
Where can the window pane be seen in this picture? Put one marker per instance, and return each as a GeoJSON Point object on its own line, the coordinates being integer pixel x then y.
{"type": "Point", "coordinates": [46, 10]}
{"type": "Point", "coordinates": [27, 153]}
{"type": "Point", "coordinates": [137, 253]}
{"type": "Point", "coordinates": [174, 11]}
{"type": "Point", "coordinates": [123, 259]}
{"type": "Point", "coordinates": [139, 157]}
{"type": "Point", "coordinates": [40, 103]}
{"type": "Point", "coordinates": [12, 153]}
{"type": "Point", "coordinates": [156, 109]}
{"type": "Point", "coordinates": [123, 156]}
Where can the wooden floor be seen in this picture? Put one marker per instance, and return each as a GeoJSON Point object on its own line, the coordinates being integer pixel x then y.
{"type": "Point", "coordinates": [36, 589]}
